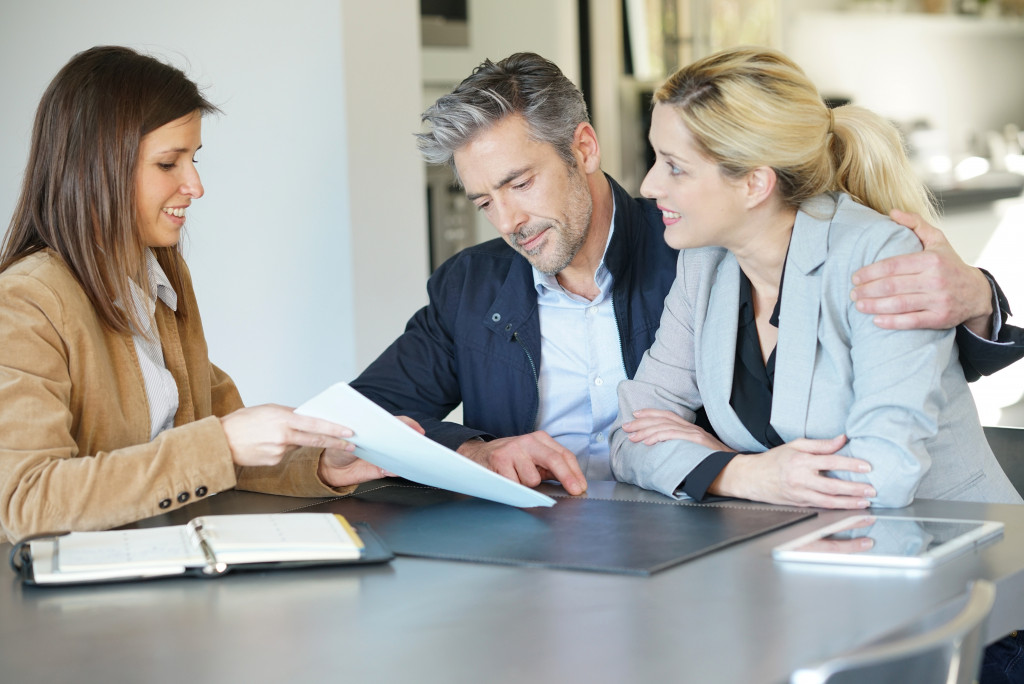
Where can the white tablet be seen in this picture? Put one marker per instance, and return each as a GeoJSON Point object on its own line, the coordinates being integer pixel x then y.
{"type": "Point", "coordinates": [889, 541]}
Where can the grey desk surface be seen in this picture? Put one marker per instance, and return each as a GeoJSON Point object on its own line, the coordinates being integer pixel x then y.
{"type": "Point", "coordinates": [732, 616]}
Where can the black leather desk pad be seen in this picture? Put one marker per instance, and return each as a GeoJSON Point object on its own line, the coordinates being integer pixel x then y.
{"type": "Point", "coordinates": [603, 535]}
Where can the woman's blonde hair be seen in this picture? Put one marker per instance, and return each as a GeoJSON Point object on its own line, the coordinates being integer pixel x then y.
{"type": "Point", "coordinates": [750, 107]}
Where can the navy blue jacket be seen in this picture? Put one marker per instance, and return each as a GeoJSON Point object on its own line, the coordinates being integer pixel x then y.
{"type": "Point", "coordinates": [478, 339]}
{"type": "Point", "coordinates": [980, 357]}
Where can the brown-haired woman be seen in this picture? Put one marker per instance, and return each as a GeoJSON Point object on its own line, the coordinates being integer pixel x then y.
{"type": "Point", "coordinates": [112, 411]}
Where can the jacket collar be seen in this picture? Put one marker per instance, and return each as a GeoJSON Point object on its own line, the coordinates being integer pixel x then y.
{"type": "Point", "coordinates": [626, 234]}
{"type": "Point", "coordinates": [797, 344]}
{"type": "Point", "coordinates": [801, 310]}
{"type": "Point", "coordinates": [809, 244]}
{"type": "Point", "coordinates": [514, 308]}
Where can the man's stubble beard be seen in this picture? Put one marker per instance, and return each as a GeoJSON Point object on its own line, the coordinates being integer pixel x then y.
{"type": "Point", "coordinates": [569, 238]}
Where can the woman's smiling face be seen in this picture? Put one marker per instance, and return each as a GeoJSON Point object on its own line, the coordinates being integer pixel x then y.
{"type": "Point", "coordinates": [166, 179]}
{"type": "Point", "coordinates": [700, 205]}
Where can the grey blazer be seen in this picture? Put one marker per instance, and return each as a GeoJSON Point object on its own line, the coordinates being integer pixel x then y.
{"type": "Point", "coordinates": [899, 396]}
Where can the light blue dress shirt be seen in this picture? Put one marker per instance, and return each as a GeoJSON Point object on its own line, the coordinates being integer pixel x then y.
{"type": "Point", "coordinates": [581, 367]}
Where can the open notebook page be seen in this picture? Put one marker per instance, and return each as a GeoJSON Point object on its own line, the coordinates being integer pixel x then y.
{"type": "Point", "coordinates": [277, 537]}
{"type": "Point", "coordinates": [156, 547]}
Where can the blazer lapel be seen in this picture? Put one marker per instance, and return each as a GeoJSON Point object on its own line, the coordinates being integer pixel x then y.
{"type": "Point", "coordinates": [797, 346]}
{"type": "Point", "coordinates": [174, 358]}
{"type": "Point", "coordinates": [716, 358]}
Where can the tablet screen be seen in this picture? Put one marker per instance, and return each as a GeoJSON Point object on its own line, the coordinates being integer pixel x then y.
{"type": "Point", "coordinates": [883, 540]}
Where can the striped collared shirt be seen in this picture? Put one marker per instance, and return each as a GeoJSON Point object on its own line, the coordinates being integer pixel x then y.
{"type": "Point", "coordinates": [161, 390]}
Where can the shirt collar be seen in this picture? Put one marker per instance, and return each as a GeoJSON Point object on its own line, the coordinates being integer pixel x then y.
{"type": "Point", "coordinates": [602, 276]}
{"type": "Point", "coordinates": [159, 287]}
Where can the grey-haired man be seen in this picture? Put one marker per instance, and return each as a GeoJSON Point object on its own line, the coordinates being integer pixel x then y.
{"type": "Point", "coordinates": [533, 332]}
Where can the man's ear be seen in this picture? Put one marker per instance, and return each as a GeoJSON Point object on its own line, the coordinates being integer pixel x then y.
{"type": "Point", "coordinates": [586, 148]}
{"type": "Point", "coordinates": [760, 184]}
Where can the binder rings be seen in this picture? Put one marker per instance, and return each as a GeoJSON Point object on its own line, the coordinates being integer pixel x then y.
{"type": "Point", "coordinates": [208, 546]}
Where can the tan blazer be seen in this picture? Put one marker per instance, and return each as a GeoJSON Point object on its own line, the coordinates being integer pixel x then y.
{"type": "Point", "coordinates": [75, 451]}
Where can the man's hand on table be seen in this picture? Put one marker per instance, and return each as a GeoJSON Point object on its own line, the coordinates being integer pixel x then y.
{"type": "Point", "coordinates": [528, 459]}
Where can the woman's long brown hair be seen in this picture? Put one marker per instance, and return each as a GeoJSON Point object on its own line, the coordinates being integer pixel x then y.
{"type": "Point", "coordinates": [78, 194]}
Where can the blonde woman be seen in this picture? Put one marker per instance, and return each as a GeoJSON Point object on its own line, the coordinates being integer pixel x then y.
{"type": "Point", "coordinates": [776, 201]}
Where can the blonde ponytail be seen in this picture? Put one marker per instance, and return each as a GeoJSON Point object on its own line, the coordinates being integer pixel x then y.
{"type": "Point", "coordinates": [872, 165]}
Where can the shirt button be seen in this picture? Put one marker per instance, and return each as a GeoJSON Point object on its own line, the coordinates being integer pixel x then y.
{"type": "Point", "coordinates": [599, 437]}
{"type": "Point", "coordinates": [202, 491]}
{"type": "Point", "coordinates": [183, 497]}
{"type": "Point", "coordinates": [166, 503]}
{"type": "Point", "coordinates": [599, 382]}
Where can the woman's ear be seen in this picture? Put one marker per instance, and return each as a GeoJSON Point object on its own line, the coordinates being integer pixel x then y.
{"type": "Point", "coordinates": [760, 184]}
{"type": "Point", "coordinates": [586, 148]}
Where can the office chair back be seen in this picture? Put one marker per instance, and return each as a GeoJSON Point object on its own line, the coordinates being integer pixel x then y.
{"type": "Point", "coordinates": [1008, 445]}
{"type": "Point", "coordinates": [947, 654]}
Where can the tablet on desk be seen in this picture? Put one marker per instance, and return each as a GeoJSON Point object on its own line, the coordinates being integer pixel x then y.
{"type": "Point", "coordinates": [889, 541]}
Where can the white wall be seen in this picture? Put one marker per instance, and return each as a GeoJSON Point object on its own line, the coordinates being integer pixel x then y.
{"type": "Point", "coordinates": [960, 74]}
{"type": "Point", "coordinates": [309, 174]}
{"type": "Point", "coordinates": [387, 177]}
{"type": "Point", "coordinates": [498, 29]}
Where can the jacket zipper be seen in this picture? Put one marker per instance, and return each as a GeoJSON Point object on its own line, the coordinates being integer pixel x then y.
{"type": "Point", "coordinates": [618, 334]}
{"type": "Point", "coordinates": [536, 378]}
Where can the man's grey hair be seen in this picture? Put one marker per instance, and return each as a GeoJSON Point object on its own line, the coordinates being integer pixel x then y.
{"type": "Point", "coordinates": [525, 84]}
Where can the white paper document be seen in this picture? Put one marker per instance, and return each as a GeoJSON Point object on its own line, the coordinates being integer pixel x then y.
{"type": "Point", "coordinates": [385, 441]}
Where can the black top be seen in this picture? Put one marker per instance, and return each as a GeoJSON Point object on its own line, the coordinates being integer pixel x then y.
{"type": "Point", "coordinates": [753, 382]}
